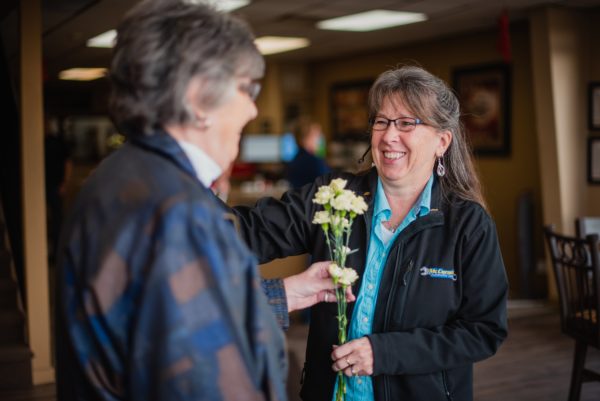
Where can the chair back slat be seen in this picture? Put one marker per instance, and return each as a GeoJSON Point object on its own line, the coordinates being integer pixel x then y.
{"type": "Point", "coordinates": [577, 272]}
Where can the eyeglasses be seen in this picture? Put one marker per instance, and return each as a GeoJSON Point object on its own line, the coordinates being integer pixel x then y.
{"type": "Point", "coordinates": [404, 124]}
{"type": "Point", "coordinates": [251, 88]}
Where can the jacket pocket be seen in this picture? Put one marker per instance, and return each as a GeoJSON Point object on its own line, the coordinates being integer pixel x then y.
{"type": "Point", "coordinates": [421, 387]}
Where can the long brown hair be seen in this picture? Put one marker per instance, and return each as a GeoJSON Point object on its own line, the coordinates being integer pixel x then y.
{"type": "Point", "coordinates": [435, 103]}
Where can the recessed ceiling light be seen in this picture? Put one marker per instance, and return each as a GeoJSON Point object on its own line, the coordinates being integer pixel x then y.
{"type": "Point", "coordinates": [106, 39]}
{"type": "Point", "coordinates": [279, 44]}
{"type": "Point", "coordinates": [223, 5]}
{"type": "Point", "coordinates": [371, 20]}
{"type": "Point", "coordinates": [82, 74]}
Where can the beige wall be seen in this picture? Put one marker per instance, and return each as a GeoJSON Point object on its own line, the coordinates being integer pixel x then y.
{"type": "Point", "coordinates": [285, 85]}
{"type": "Point", "coordinates": [33, 204]}
{"type": "Point", "coordinates": [564, 60]}
{"type": "Point", "coordinates": [269, 119]}
{"type": "Point", "coordinates": [568, 82]}
{"type": "Point", "coordinates": [504, 178]}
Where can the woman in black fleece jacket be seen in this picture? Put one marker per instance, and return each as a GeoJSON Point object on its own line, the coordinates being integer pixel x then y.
{"type": "Point", "coordinates": [432, 294]}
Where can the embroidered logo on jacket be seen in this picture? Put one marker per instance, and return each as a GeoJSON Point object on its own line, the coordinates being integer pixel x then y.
{"type": "Point", "coordinates": [438, 272]}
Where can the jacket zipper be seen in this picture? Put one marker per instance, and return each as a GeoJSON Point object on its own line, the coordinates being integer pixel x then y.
{"type": "Point", "coordinates": [407, 272]}
{"type": "Point", "coordinates": [388, 307]}
{"type": "Point", "coordinates": [445, 383]}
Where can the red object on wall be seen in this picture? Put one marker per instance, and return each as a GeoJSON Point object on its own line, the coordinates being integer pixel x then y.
{"type": "Point", "coordinates": [504, 36]}
{"type": "Point", "coordinates": [243, 171]}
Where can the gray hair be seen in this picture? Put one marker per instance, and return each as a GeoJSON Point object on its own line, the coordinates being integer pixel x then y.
{"type": "Point", "coordinates": [436, 104]}
{"type": "Point", "coordinates": [161, 46]}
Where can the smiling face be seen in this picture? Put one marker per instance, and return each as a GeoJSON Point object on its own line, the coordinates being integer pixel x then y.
{"type": "Point", "coordinates": [406, 159]}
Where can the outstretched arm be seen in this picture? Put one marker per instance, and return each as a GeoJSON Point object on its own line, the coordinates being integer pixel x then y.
{"type": "Point", "coordinates": [301, 291]}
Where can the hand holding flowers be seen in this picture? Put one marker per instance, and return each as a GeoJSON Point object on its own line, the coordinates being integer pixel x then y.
{"type": "Point", "coordinates": [311, 286]}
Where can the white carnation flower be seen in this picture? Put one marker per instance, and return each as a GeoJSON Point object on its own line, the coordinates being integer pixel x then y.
{"type": "Point", "coordinates": [348, 276]}
{"type": "Point", "coordinates": [338, 184]}
{"type": "Point", "coordinates": [335, 271]}
{"type": "Point", "coordinates": [339, 221]}
{"type": "Point", "coordinates": [322, 217]}
{"type": "Point", "coordinates": [359, 206]}
{"type": "Point", "coordinates": [324, 195]}
{"type": "Point", "coordinates": [343, 201]}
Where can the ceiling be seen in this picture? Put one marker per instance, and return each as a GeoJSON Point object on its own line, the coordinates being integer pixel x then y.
{"type": "Point", "coordinates": [67, 24]}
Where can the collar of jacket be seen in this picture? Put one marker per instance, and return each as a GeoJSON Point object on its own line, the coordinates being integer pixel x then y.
{"type": "Point", "coordinates": [162, 143]}
{"type": "Point", "coordinates": [435, 216]}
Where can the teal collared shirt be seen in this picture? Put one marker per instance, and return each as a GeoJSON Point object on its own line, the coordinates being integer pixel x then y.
{"type": "Point", "coordinates": [361, 388]}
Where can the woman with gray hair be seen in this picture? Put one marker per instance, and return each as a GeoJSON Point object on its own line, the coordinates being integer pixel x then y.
{"type": "Point", "coordinates": [158, 299]}
{"type": "Point", "coordinates": [432, 290]}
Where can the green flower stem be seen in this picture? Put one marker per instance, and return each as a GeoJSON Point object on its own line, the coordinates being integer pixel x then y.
{"type": "Point", "coordinates": [348, 231]}
{"type": "Point", "coordinates": [341, 390]}
{"type": "Point", "coordinates": [328, 245]}
{"type": "Point", "coordinates": [337, 236]}
{"type": "Point", "coordinates": [340, 293]}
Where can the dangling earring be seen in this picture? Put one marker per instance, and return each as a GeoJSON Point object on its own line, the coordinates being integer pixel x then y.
{"type": "Point", "coordinates": [441, 170]}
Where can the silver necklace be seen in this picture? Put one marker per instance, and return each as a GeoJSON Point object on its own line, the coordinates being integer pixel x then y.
{"type": "Point", "coordinates": [391, 227]}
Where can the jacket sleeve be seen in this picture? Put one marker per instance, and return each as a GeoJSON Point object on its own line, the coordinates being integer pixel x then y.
{"type": "Point", "coordinates": [275, 228]}
{"type": "Point", "coordinates": [474, 333]}
{"type": "Point", "coordinates": [275, 292]}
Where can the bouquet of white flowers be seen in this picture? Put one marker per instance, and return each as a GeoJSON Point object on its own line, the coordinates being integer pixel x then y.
{"type": "Point", "coordinates": [341, 207]}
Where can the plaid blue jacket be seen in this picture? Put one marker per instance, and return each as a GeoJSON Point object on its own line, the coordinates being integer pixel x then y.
{"type": "Point", "coordinates": [157, 297]}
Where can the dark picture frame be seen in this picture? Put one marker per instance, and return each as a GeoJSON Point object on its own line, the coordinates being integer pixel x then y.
{"type": "Point", "coordinates": [484, 92]}
{"type": "Point", "coordinates": [593, 157]}
{"type": "Point", "coordinates": [594, 106]}
{"type": "Point", "coordinates": [350, 110]}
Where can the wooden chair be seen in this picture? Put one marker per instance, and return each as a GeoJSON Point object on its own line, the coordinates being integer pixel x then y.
{"type": "Point", "coordinates": [577, 271]}
{"type": "Point", "coordinates": [587, 225]}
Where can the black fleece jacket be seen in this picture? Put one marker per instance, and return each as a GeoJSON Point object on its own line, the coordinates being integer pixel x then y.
{"type": "Point", "coordinates": [427, 330]}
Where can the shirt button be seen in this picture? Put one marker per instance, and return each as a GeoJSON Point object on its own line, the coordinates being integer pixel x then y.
{"type": "Point", "coordinates": [359, 381]}
{"type": "Point", "coordinates": [365, 319]}
{"type": "Point", "coordinates": [370, 286]}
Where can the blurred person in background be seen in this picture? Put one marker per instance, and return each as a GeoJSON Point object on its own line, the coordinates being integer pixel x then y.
{"type": "Point", "coordinates": [306, 166]}
{"type": "Point", "coordinates": [158, 298]}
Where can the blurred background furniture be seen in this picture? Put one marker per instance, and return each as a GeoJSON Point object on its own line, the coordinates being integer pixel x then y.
{"type": "Point", "coordinates": [587, 225]}
{"type": "Point", "coordinates": [576, 266]}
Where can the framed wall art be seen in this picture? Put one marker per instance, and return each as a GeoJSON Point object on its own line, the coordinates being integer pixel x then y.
{"type": "Point", "coordinates": [349, 110]}
{"type": "Point", "coordinates": [594, 106]}
{"type": "Point", "coordinates": [594, 160]}
{"type": "Point", "coordinates": [484, 94]}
